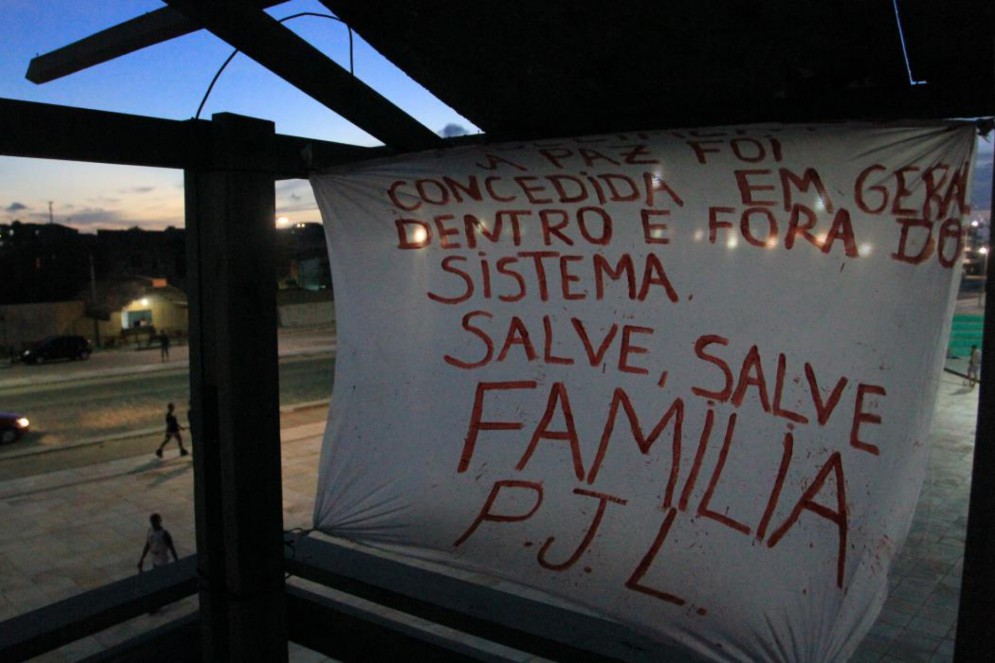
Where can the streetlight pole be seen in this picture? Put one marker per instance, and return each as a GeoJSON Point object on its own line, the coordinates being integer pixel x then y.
{"type": "Point", "coordinates": [93, 306]}
{"type": "Point", "coordinates": [984, 275]}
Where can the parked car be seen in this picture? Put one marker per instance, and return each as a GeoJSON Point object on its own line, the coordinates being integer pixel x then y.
{"type": "Point", "coordinates": [57, 347]}
{"type": "Point", "coordinates": [13, 427]}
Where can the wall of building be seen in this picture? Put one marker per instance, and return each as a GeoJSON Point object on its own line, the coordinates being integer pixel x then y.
{"type": "Point", "coordinates": [307, 315]}
{"type": "Point", "coordinates": [164, 314]}
{"type": "Point", "coordinates": [305, 308]}
{"type": "Point", "coordinates": [23, 324]}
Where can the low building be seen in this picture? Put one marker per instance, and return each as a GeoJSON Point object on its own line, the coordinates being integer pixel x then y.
{"type": "Point", "coordinates": [135, 311]}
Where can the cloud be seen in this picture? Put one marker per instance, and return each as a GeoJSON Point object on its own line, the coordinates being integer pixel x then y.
{"type": "Point", "coordinates": [295, 196]}
{"type": "Point", "coordinates": [104, 200]}
{"type": "Point", "coordinates": [292, 187]}
{"type": "Point", "coordinates": [452, 130]}
{"type": "Point", "coordinates": [305, 206]}
{"type": "Point", "coordinates": [15, 207]}
{"type": "Point", "coordinates": [90, 219]}
{"type": "Point", "coordinates": [138, 189]}
{"type": "Point", "coordinates": [95, 216]}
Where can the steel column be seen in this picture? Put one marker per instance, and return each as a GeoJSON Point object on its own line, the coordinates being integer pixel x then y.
{"type": "Point", "coordinates": [235, 394]}
{"type": "Point", "coordinates": [976, 612]}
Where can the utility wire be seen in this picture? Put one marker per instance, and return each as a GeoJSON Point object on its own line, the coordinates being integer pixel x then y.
{"type": "Point", "coordinates": [282, 20]}
{"type": "Point", "coordinates": [905, 50]}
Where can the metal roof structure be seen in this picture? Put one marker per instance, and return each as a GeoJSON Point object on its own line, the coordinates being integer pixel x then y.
{"type": "Point", "coordinates": [518, 70]}
{"type": "Point", "coordinates": [541, 69]}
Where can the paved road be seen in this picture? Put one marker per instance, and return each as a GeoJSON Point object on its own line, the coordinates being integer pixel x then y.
{"type": "Point", "coordinates": [72, 457]}
{"type": "Point", "coordinates": [110, 405]}
{"type": "Point", "coordinates": [113, 405]}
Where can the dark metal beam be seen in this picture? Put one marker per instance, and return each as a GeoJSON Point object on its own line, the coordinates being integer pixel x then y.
{"type": "Point", "coordinates": [524, 624]}
{"type": "Point", "coordinates": [45, 131]}
{"type": "Point", "coordinates": [346, 632]}
{"type": "Point", "coordinates": [977, 594]}
{"type": "Point", "coordinates": [269, 43]}
{"type": "Point", "coordinates": [178, 640]}
{"type": "Point", "coordinates": [60, 623]}
{"type": "Point", "coordinates": [234, 386]}
{"type": "Point", "coordinates": [140, 32]}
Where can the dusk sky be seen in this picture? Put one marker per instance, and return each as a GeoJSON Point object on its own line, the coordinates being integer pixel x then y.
{"type": "Point", "coordinates": [169, 80]}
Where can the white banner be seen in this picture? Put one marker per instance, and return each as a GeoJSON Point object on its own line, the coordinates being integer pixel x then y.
{"type": "Point", "coordinates": [681, 378]}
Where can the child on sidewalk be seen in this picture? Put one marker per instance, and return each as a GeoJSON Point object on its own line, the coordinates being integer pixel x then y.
{"type": "Point", "coordinates": [158, 542]}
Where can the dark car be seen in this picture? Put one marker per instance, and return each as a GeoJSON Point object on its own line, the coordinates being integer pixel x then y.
{"type": "Point", "coordinates": [57, 347]}
{"type": "Point", "coordinates": [12, 427]}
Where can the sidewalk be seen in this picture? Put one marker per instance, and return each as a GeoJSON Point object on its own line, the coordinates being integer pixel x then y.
{"type": "Point", "coordinates": [918, 621]}
{"type": "Point", "coordinates": [66, 532]}
{"type": "Point", "coordinates": [69, 531]}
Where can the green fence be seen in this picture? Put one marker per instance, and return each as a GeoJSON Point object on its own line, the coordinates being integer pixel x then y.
{"type": "Point", "coordinates": [965, 332]}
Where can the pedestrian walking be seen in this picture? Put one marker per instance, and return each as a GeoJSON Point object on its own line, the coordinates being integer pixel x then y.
{"type": "Point", "coordinates": [173, 429]}
{"type": "Point", "coordinates": [158, 542]}
{"type": "Point", "coordinates": [974, 366]}
{"type": "Point", "coordinates": [164, 346]}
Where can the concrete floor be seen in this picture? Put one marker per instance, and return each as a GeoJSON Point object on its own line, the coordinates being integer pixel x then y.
{"type": "Point", "coordinates": [65, 532]}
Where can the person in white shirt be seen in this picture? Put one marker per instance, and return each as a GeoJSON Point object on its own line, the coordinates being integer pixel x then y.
{"type": "Point", "coordinates": [973, 366]}
{"type": "Point", "coordinates": [158, 542]}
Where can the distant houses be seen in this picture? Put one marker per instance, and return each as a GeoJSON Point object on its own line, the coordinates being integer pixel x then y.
{"type": "Point", "coordinates": [126, 287]}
